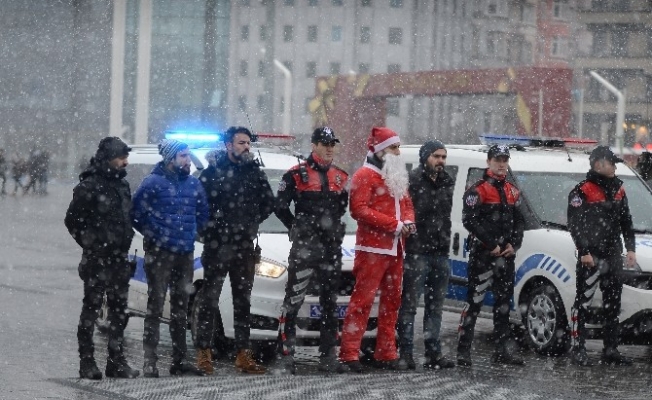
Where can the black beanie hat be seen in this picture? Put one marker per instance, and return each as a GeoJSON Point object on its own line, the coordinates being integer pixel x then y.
{"type": "Point", "coordinates": [111, 147]}
{"type": "Point", "coordinates": [428, 148]}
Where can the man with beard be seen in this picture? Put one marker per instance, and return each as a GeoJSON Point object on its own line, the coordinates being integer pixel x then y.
{"type": "Point", "coordinates": [318, 190]}
{"type": "Point", "coordinates": [240, 199]}
{"type": "Point", "coordinates": [426, 261]}
{"type": "Point", "coordinates": [98, 220]}
{"type": "Point", "coordinates": [598, 214]}
{"type": "Point", "coordinates": [381, 204]}
{"type": "Point", "coordinates": [492, 216]}
{"type": "Point", "coordinates": [169, 209]}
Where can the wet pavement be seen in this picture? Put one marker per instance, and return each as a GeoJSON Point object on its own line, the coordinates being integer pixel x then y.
{"type": "Point", "coordinates": [40, 295]}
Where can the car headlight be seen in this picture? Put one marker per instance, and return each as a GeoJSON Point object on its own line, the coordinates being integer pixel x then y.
{"type": "Point", "coordinates": [269, 269]}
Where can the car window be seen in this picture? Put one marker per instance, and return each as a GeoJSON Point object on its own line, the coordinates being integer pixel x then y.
{"type": "Point", "coordinates": [136, 173]}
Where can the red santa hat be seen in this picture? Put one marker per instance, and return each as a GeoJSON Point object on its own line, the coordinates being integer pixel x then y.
{"type": "Point", "coordinates": [381, 138]}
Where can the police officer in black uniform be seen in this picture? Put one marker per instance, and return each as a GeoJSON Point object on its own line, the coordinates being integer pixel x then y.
{"type": "Point", "coordinates": [598, 214]}
{"type": "Point", "coordinates": [491, 215]}
{"type": "Point", "coordinates": [98, 219]}
{"type": "Point", "coordinates": [318, 190]}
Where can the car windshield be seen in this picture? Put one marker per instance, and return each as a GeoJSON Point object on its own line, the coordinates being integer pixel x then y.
{"type": "Point", "coordinates": [547, 195]}
{"type": "Point", "coordinates": [274, 225]}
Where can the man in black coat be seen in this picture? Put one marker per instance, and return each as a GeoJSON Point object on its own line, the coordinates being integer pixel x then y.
{"type": "Point", "coordinates": [98, 220]}
{"type": "Point", "coordinates": [426, 256]}
{"type": "Point", "coordinates": [239, 198]}
{"type": "Point", "coordinates": [598, 215]}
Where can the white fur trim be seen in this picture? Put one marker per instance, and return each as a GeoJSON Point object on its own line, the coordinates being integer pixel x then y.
{"type": "Point", "coordinates": [388, 142]}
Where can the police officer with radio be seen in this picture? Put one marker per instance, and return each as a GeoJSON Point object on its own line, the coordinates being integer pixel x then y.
{"type": "Point", "coordinates": [598, 214]}
{"type": "Point", "coordinates": [491, 215]}
{"type": "Point", "coordinates": [318, 189]}
{"type": "Point", "coordinates": [240, 199]}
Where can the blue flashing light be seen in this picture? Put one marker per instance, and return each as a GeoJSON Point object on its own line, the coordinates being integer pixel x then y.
{"type": "Point", "coordinates": [490, 139]}
{"type": "Point", "coordinates": [193, 137]}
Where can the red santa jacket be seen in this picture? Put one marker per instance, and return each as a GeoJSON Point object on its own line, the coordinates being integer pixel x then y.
{"type": "Point", "coordinates": [380, 216]}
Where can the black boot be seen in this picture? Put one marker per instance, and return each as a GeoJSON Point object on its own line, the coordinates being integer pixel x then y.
{"type": "Point", "coordinates": [149, 368]}
{"type": "Point", "coordinates": [579, 357]}
{"type": "Point", "coordinates": [438, 361]}
{"type": "Point", "coordinates": [185, 368]}
{"type": "Point", "coordinates": [286, 364]}
{"type": "Point", "coordinates": [612, 356]}
{"type": "Point", "coordinates": [117, 367]}
{"type": "Point", "coordinates": [464, 358]}
{"type": "Point", "coordinates": [504, 356]}
{"type": "Point", "coordinates": [354, 366]}
{"type": "Point", "coordinates": [330, 363]}
{"type": "Point", "coordinates": [406, 361]}
{"type": "Point", "coordinates": [88, 369]}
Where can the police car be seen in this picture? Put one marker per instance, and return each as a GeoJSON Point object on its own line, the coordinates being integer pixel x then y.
{"type": "Point", "coordinates": [545, 171]}
{"type": "Point", "coordinates": [271, 273]}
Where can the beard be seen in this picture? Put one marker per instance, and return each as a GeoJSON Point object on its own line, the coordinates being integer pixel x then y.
{"type": "Point", "coordinates": [182, 170]}
{"type": "Point", "coordinates": [395, 176]}
{"type": "Point", "coordinates": [245, 157]}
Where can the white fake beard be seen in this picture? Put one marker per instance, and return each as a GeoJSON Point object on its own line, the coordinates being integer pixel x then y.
{"type": "Point", "coordinates": [395, 176]}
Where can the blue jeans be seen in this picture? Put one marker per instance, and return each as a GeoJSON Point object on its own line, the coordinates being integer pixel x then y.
{"type": "Point", "coordinates": [422, 271]}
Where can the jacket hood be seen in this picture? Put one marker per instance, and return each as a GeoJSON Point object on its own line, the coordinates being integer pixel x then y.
{"type": "Point", "coordinates": [102, 168]}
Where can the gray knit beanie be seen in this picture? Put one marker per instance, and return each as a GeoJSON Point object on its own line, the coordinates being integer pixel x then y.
{"type": "Point", "coordinates": [169, 148]}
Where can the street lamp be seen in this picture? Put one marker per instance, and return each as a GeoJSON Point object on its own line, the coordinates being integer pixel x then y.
{"type": "Point", "coordinates": [287, 94]}
{"type": "Point", "coordinates": [620, 114]}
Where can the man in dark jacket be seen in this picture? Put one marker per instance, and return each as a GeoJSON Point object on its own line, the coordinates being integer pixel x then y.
{"type": "Point", "coordinates": [240, 198]}
{"type": "Point", "coordinates": [493, 218]}
{"type": "Point", "coordinates": [169, 209]}
{"type": "Point", "coordinates": [98, 220]}
{"type": "Point", "coordinates": [318, 189]}
{"type": "Point", "coordinates": [426, 258]}
{"type": "Point", "coordinates": [598, 214]}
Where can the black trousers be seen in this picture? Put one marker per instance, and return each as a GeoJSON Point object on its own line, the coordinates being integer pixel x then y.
{"type": "Point", "coordinates": [110, 275]}
{"type": "Point", "coordinates": [608, 274]}
{"type": "Point", "coordinates": [238, 261]}
{"type": "Point", "coordinates": [166, 269]}
{"type": "Point", "coordinates": [314, 260]}
{"type": "Point", "coordinates": [487, 272]}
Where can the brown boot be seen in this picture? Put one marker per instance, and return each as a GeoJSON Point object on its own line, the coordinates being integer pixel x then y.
{"type": "Point", "coordinates": [205, 361]}
{"type": "Point", "coordinates": [245, 362]}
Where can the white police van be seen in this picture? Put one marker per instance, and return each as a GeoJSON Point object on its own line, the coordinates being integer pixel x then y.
{"type": "Point", "coordinates": [271, 273]}
{"type": "Point", "coordinates": [544, 291]}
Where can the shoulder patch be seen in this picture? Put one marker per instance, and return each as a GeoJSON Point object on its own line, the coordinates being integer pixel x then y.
{"type": "Point", "coordinates": [471, 200]}
{"type": "Point", "coordinates": [576, 201]}
{"type": "Point", "coordinates": [282, 185]}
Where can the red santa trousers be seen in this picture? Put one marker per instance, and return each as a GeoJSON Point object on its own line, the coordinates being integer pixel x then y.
{"type": "Point", "coordinates": [373, 271]}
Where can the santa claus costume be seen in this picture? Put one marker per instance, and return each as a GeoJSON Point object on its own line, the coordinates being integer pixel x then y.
{"type": "Point", "coordinates": [380, 203]}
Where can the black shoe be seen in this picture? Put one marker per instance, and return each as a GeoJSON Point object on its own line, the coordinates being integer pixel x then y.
{"type": "Point", "coordinates": [464, 358]}
{"type": "Point", "coordinates": [185, 368]}
{"type": "Point", "coordinates": [437, 361]}
{"type": "Point", "coordinates": [330, 363]}
{"type": "Point", "coordinates": [287, 365]}
{"type": "Point", "coordinates": [354, 366]}
{"type": "Point", "coordinates": [579, 357]}
{"type": "Point", "coordinates": [613, 357]}
{"type": "Point", "coordinates": [392, 365]}
{"type": "Point", "coordinates": [149, 369]}
{"type": "Point", "coordinates": [406, 361]}
{"type": "Point", "coordinates": [507, 358]}
{"type": "Point", "coordinates": [118, 368]}
{"type": "Point", "coordinates": [88, 369]}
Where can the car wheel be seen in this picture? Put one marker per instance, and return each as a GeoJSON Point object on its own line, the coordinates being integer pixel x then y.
{"type": "Point", "coordinates": [102, 321]}
{"type": "Point", "coordinates": [545, 322]}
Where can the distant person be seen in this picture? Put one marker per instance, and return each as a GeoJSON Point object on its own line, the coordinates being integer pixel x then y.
{"type": "Point", "coordinates": [18, 170]}
{"type": "Point", "coordinates": [42, 172]}
{"type": "Point", "coordinates": [381, 204]}
{"type": "Point", "coordinates": [3, 171]}
{"type": "Point", "coordinates": [495, 223]}
{"type": "Point", "coordinates": [32, 170]}
{"type": "Point", "coordinates": [644, 167]}
{"type": "Point", "coordinates": [598, 217]}
{"type": "Point", "coordinates": [317, 187]}
{"type": "Point", "coordinates": [98, 220]}
{"type": "Point", "coordinates": [169, 208]}
{"type": "Point", "coordinates": [426, 263]}
{"type": "Point", "coordinates": [240, 199]}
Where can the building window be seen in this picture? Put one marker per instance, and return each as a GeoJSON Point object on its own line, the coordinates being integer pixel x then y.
{"type": "Point", "coordinates": [366, 3]}
{"type": "Point", "coordinates": [396, 3]}
{"type": "Point", "coordinates": [244, 33]}
{"type": "Point", "coordinates": [393, 68]}
{"type": "Point", "coordinates": [599, 5]}
{"type": "Point", "coordinates": [496, 8]}
{"type": "Point", "coordinates": [599, 45]}
{"type": "Point", "coordinates": [311, 69]}
{"type": "Point", "coordinates": [528, 14]}
{"type": "Point", "coordinates": [395, 35]}
{"type": "Point", "coordinates": [648, 89]}
{"type": "Point", "coordinates": [337, 2]}
{"type": "Point", "coordinates": [244, 68]}
{"type": "Point", "coordinates": [263, 33]}
{"type": "Point", "coordinates": [312, 33]}
{"type": "Point", "coordinates": [336, 33]}
{"type": "Point", "coordinates": [393, 107]}
{"type": "Point", "coordinates": [335, 68]}
{"type": "Point", "coordinates": [494, 45]}
{"type": "Point", "coordinates": [365, 34]}
{"type": "Point", "coordinates": [261, 103]}
{"type": "Point", "coordinates": [288, 33]}
{"type": "Point", "coordinates": [486, 122]}
{"type": "Point", "coordinates": [313, 3]}
{"type": "Point", "coordinates": [363, 68]}
{"type": "Point", "coordinates": [619, 39]}
{"type": "Point", "coordinates": [242, 103]}
{"type": "Point", "coordinates": [558, 47]}
{"type": "Point", "coordinates": [559, 9]}
{"type": "Point", "coordinates": [289, 3]}
{"type": "Point", "coordinates": [261, 69]}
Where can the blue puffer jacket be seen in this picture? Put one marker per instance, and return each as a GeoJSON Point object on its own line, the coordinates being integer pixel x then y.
{"type": "Point", "coordinates": [169, 210]}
